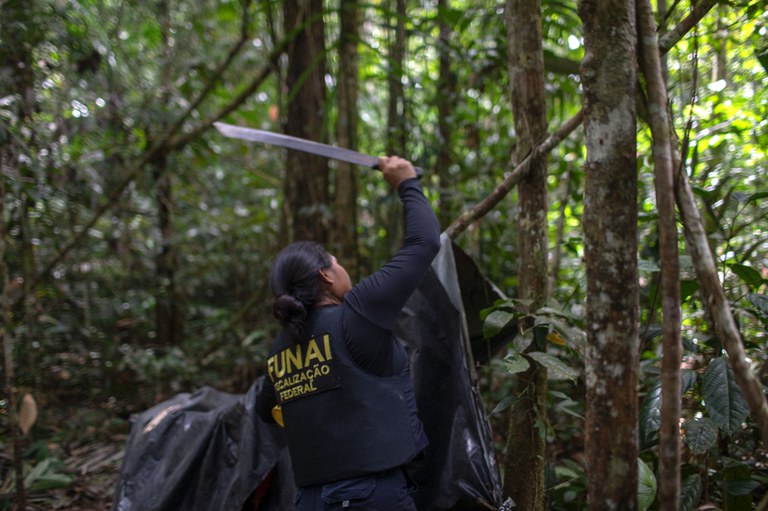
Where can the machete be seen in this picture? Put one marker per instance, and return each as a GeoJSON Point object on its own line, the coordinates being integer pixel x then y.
{"type": "Point", "coordinates": [300, 144]}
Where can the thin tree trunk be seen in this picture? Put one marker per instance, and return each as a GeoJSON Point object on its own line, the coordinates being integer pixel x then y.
{"type": "Point", "coordinates": [396, 115]}
{"type": "Point", "coordinates": [167, 321]}
{"type": "Point", "coordinates": [307, 176]}
{"type": "Point", "coordinates": [396, 103]}
{"type": "Point", "coordinates": [17, 84]}
{"type": "Point", "coordinates": [347, 181]}
{"type": "Point", "coordinates": [7, 161]}
{"type": "Point", "coordinates": [525, 448]}
{"type": "Point", "coordinates": [610, 231]}
{"type": "Point", "coordinates": [554, 273]}
{"type": "Point", "coordinates": [669, 435]}
{"type": "Point", "coordinates": [167, 299]}
{"type": "Point", "coordinates": [445, 101]}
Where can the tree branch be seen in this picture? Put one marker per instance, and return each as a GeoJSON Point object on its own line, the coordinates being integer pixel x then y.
{"type": "Point", "coordinates": [479, 210]}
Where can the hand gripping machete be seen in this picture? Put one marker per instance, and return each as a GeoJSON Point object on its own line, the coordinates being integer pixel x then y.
{"type": "Point", "coordinates": [300, 144]}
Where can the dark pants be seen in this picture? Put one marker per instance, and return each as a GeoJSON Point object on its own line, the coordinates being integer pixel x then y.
{"type": "Point", "coordinates": [387, 491]}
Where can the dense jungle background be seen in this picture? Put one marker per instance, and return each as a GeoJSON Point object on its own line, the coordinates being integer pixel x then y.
{"type": "Point", "coordinates": [135, 240]}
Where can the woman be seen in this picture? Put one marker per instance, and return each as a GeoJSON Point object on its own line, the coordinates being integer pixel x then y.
{"type": "Point", "coordinates": [338, 381]}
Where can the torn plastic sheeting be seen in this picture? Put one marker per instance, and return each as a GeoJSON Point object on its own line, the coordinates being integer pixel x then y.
{"type": "Point", "coordinates": [208, 450]}
{"type": "Point", "coordinates": [460, 470]}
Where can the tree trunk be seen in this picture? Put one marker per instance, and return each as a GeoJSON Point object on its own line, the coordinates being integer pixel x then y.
{"type": "Point", "coordinates": [610, 232]}
{"type": "Point", "coordinates": [344, 239]}
{"type": "Point", "coordinates": [396, 104]}
{"type": "Point", "coordinates": [305, 202]}
{"type": "Point", "coordinates": [525, 448]}
{"type": "Point", "coordinates": [21, 33]}
{"type": "Point", "coordinates": [669, 435]}
{"type": "Point", "coordinates": [167, 321]}
{"type": "Point", "coordinates": [445, 101]}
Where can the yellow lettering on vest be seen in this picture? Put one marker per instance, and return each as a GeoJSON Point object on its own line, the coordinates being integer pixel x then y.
{"type": "Point", "coordinates": [313, 353]}
{"type": "Point", "coordinates": [271, 367]}
{"type": "Point", "coordinates": [293, 358]}
{"type": "Point", "coordinates": [327, 345]}
{"type": "Point", "coordinates": [279, 371]}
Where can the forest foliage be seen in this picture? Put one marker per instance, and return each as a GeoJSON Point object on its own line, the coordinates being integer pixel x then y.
{"type": "Point", "coordinates": [105, 104]}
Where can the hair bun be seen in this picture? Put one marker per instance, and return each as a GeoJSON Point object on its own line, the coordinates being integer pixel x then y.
{"type": "Point", "coordinates": [290, 312]}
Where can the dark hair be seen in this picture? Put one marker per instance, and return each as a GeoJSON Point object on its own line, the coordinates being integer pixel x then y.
{"type": "Point", "coordinates": [295, 282]}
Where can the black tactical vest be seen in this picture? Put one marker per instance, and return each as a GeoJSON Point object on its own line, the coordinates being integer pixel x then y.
{"type": "Point", "coordinates": [340, 420]}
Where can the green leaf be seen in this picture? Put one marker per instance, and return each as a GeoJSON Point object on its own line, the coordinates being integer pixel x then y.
{"type": "Point", "coordinates": [690, 493]}
{"type": "Point", "coordinates": [650, 417]}
{"type": "Point", "coordinates": [650, 409]}
{"type": "Point", "coordinates": [515, 363]}
{"type": "Point", "coordinates": [646, 486]}
{"type": "Point", "coordinates": [700, 435]}
{"type": "Point", "coordinates": [687, 288]}
{"type": "Point", "coordinates": [557, 369]}
{"type": "Point", "coordinates": [51, 481]}
{"type": "Point", "coordinates": [502, 405]}
{"type": "Point", "coordinates": [495, 322]}
{"type": "Point", "coordinates": [722, 396]}
{"type": "Point", "coordinates": [750, 276]}
{"type": "Point", "coordinates": [522, 340]}
{"type": "Point", "coordinates": [742, 487]}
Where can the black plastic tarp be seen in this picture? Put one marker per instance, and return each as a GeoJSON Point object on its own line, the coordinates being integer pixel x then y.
{"type": "Point", "coordinates": [208, 450]}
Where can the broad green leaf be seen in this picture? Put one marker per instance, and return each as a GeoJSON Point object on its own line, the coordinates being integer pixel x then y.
{"type": "Point", "coordinates": [557, 369]}
{"type": "Point", "coordinates": [690, 493]}
{"type": "Point", "coordinates": [495, 322]}
{"type": "Point", "coordinates": [750, 276]}
{"type": "Point", "coordinates": [723, 399]}
{"type": "Point", "coordinates": [700, 435]}
{"type": "Point", "coordinates": [646, 486]}
{"type": "Point", "coordinates": [742, 487]}
{"type": "Point", "coordinates": [650, 417]}
{"type": "Point", "coordinates": [650, 410]}
{"type": "Point", "coordinates": [515, 363]}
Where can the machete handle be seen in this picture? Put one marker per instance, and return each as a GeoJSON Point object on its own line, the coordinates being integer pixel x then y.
{"type": "Point", "coordinates": [419, 171]}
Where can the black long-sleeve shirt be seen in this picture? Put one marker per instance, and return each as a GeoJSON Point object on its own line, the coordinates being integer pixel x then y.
{"type": "Point", "coordinates": [371, 307]}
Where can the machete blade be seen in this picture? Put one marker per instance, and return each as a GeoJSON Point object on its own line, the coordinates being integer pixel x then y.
{"type": "Point", "coordinates": [300, 144]}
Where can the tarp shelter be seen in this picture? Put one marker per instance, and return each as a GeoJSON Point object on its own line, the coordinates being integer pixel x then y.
{"type": "Point", "coordinates": [208, 450]}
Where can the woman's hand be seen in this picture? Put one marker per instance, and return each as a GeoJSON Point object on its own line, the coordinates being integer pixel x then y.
{"type": "Point", "coordinates": [396, 170]}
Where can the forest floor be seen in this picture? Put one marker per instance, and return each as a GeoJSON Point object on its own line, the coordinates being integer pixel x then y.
{"type": "Point", "coordinates": [95, 467]}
